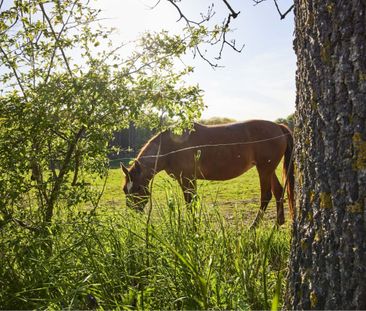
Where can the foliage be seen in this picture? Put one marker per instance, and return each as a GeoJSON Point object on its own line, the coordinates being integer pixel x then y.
{"type": "Point", "coordinates": [64, 95]}
{"type": "Point", "coordinates": [289, 121]}
{"type": "Point", "coordinates": [217, 120]}
{"type": "Point", "coordinates": [178, 259]}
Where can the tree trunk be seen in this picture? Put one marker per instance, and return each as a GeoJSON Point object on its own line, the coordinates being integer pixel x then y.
{"type": "Point", "coordinates": [328, 260]}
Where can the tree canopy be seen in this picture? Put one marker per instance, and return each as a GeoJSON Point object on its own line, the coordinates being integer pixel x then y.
{"type": "Point", "coordinates": [66, 89]}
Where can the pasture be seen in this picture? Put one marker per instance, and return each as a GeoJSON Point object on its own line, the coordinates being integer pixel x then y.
{"type": "Point", "coordinates": [167, 259]}
{"type": "Point", "coordinates": [238, 197]}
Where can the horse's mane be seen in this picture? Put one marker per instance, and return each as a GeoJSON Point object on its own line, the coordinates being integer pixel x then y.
{"type": "Point", "coordinates": [147, 145]}
{"type": "Point", "coordinates": [166, 135]}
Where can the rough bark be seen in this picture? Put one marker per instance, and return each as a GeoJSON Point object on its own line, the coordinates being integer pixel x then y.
{"type": "Point", "coordinates": [328, 261]}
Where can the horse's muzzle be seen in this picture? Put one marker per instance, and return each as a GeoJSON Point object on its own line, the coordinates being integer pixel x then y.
{"type": "Point", "coordinates": [136, 203]}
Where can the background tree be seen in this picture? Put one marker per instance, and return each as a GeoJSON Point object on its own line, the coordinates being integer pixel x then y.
{"type": "Point", "coordinates": [63, 96]}
{"type": "Point", "coordinates": [216, 120]}
{"type": "Point", "coordinates": [289, 121]}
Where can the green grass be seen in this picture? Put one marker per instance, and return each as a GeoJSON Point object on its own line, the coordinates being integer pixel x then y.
{"type": "Point", "coordinates": [240, 195]}
{"type": "Point", "coordinates": [179, 258]}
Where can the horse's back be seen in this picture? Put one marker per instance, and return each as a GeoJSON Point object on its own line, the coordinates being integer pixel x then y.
{"type": "Point", "coordinates": [221, 152]}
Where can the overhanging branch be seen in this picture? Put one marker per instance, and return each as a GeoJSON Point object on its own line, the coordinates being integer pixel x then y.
{"type": "Point", "coordinates": [283, 15]}
{"type": "Point", "coordinates": [222, 39]}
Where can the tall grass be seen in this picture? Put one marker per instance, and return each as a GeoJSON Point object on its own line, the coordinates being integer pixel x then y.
{"type": "Point", "coordinates": [180, 258]}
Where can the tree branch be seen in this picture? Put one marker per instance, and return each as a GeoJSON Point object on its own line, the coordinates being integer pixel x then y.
{"type": "Point", "coordinates": [15, 73]}
{"type": "Point", "coordinates": [64, 169]}
{"type": "Point", "coordinates": [233, 13]}
{"type": "Point", "coordinates": [222, 38]}
{"type": "Point", "coordinates": [12, 25]}
{"type": "Point", "coordinates": [56, 39]}
{"type": "Point", "coordinates": [25, 225]}
{"type": "Point", "coordinates": [279, 12]}
{"type": "Point", "coordinates": [282, 15]}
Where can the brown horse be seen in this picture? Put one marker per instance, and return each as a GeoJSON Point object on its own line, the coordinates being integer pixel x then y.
{"type": "Point", "coordinates": [217, 152]}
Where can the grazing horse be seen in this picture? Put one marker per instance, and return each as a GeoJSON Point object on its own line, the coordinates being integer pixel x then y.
{"type": "Point", "coordinates": [218, 152]}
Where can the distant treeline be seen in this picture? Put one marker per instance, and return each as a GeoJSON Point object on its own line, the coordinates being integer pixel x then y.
{"type": "Point", "coordinates": [289, 121]}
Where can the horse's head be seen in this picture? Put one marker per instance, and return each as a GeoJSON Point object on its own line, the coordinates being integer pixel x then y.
{"type": "Point", "coordinates": [136, 186]}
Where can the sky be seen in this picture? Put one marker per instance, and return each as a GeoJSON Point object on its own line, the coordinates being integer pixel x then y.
{"type": "Point", "coordinates": [258, 83]}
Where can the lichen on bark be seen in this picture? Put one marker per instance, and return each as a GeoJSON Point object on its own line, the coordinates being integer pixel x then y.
{"type": "Point", "coordinates": [328, 256]}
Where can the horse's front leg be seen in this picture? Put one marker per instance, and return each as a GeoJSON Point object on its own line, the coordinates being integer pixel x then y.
{"type": "Point", "coordinates": [189, 187]}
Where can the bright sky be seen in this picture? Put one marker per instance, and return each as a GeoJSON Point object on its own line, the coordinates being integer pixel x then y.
{"type": "Point", "coordinates": [257, 83]}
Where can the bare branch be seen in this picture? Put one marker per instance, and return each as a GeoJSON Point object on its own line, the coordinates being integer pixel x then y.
{"type": "Point", "coordinates": [258, 1]}
{"type": "Point", "coordinates": [233, 13]}
{"type": "Point", "coordinates": [188, 21]}
{"type": "Point", "coordinates": [224, 41]}
{"type": "Point", "coordinates": [282, 15]}
{"type": "Point", "coordinates": [154, 6]}
{"type": "Point", "coordinates": [279, 11]}
{"type": "Point", "coordinates": [213, 41]}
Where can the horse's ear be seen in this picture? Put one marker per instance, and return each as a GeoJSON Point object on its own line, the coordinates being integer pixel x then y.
{"type": "Point", "coordinates": [124, 170]}
{"type": "Point", "coordinates": [138, 167]}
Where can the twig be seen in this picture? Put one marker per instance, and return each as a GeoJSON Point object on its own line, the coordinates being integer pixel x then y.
{"type": "Point", "coordinates": [15, 72]}
{"type": "Point", "coordinates": [279, 12]}
{"type": "Point", "coordinates": [13, 24]}
{"type": "Point", "coordinates": [282, 15]}
{"type": "Point", "coordinates": [96, 203]}
{"type": "Point", "coordinates": [56, 39]}
{"type": "Point", "coordinates": [154, 6]}
{"type": "Point", "coordinates": [224, 41]}
{"type": "Point", "coordinates": [25, 225]}
{"type": "Point", "coordinates": [222, 38]}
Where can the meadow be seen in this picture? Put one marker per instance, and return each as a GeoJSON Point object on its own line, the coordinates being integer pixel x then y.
{"type": "Point", "coordinates": [168, 257]}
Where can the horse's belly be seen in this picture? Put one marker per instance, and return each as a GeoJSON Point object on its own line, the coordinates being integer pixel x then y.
{"type": "Point", "coordinates": [223, 171]}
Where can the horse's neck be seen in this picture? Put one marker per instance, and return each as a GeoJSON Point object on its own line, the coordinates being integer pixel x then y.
{"type": "Point", "coordinates": [151, 155]}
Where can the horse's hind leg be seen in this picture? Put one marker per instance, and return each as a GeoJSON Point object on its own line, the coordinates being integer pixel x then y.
{"type": "Point", "coordinates": [266, 195]}
{"type": "Point", "coordinates": [277, 190]}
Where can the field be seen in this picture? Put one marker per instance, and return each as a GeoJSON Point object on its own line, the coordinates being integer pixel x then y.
{"type": "Point", "coordinates": [171, 258]}
{"type": "Point", "coordinates": [237, 196]}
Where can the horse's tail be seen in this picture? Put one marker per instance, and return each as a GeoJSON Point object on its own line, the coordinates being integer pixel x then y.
{"type": "Point", "coordinates": [288, 170]}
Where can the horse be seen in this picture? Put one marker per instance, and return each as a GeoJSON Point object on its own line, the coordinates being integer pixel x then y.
{"type": "Point", "coordinates": [216, 152]}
